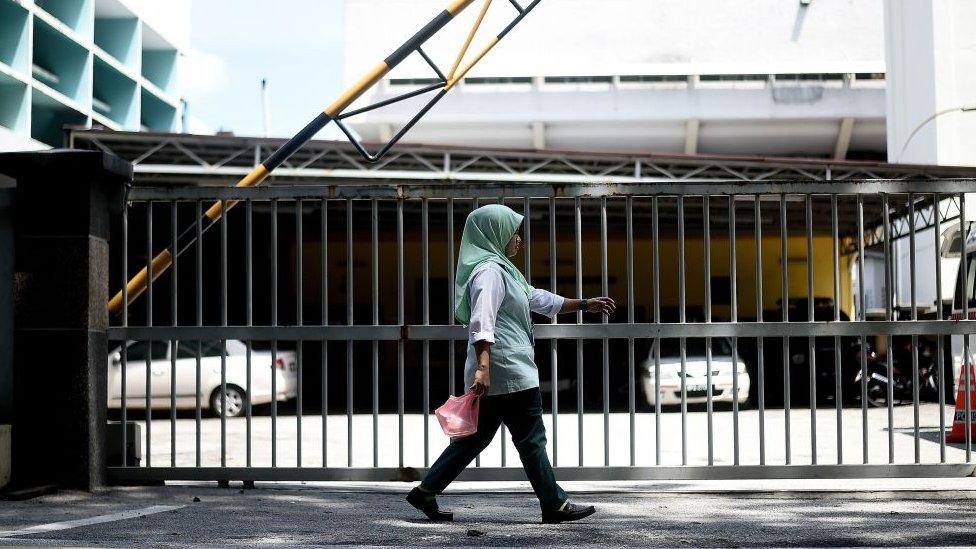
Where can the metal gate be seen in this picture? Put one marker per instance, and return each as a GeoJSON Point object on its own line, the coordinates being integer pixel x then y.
{"type": "Point", "coordinates": [742, 346]}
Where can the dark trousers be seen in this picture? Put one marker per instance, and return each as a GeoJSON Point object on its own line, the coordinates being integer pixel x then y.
{"type": "Point", "coordinates": [521, 412]}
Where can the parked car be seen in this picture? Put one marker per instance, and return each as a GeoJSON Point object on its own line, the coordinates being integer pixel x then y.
{"type": "Point", "coordinates": [160, 365]}
{"type": "Point", "coordinates": [696, 380]}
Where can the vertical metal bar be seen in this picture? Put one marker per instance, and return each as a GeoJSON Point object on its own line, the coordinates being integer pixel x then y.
{"type": "Point", "coordinates": [554, 359]}
{"type": "Point", "coordinates": [173, 206]}
{"type": "Point", "coordinates": [477, 460]}
{"type": "Point", "coordinates": [937, 211]}
{"type": "Point", "coordinates": [350, 301]}
{"type": "Point", "coordinates": [149, 322]}
{"type": "Point", "coordinates": [863, 318]}
{"type": "Point", "coordinates": [199, 297]}
{"type": "Point", "coordinates": [966, 362]}
{"type": "Point", "coordinates": [299, 320]}
{"type": "Point", "coordinates": [124, 366]}
{"type": "Point", "coordinates": [324, 247]}
{"type": "Point", "coordinates": [734, 306]}
{"type": "Point", "coordinates": [425, 268]}
{"type": "Point", "coordinates": [811, 341]}
{"type": "Point", "coordinates": [249, 304]}
{"type": "Point", "coordinates": [376, 322]}
{"type": "Point", "coordinates": [889, 315]}
{"type": "Point", "coordinates": [838, 371]}
{"type": "Point", "coordinates": [631, 383]}
{"type": "Point", "coordinates": [578, 221]}
{"type": "Point", "coordinates": [760, 352]}
{"type": "Point", "coordinates": [223, 343]}
{"type": "Point", "coordinates": [527, 237]}
{"type": "Point", "coordinates": [682, 317]}
{"type": "Point", "coordinates": [784, 274]}
{"type": "Point", "coordinates": [274, 324]}
{"type": "Point", "coordinates": [606, 343]}
{"type": "Point", "coordinates": [707, 246]}
{"type": "Point", "coordinates": [656, 284]}
{"type": "Point", "coordinates": [451, 301]}
{"type": "Point", "coordinates": [400, 322]}
{"type": "Point", "coordinates": [911, 270]}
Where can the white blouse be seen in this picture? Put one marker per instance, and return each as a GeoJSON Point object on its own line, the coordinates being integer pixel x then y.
{"type": "Point", "coordinates": [486, 292]}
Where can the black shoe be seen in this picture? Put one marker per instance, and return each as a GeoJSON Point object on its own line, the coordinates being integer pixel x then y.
{"type": "Point", "coordinates": [569, 513]}
{"type": "Point", "coordinates": [427, 504]}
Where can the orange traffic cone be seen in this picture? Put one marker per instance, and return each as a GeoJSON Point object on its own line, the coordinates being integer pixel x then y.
{"type": "Point", "coordinates": [958, 433]}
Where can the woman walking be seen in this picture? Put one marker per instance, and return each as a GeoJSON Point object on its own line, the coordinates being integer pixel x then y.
{"type": "Point", "coordinates": [495, 302]}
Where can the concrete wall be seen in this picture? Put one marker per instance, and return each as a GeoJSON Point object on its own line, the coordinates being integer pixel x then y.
{"type": "Point", "coordinates": [587, 37]}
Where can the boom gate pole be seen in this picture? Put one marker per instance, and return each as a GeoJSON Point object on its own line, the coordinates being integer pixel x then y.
{"type": "Point", "coordinates": [335, 112]}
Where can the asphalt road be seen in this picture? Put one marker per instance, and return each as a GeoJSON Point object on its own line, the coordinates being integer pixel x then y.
{"type": "Point", "coordinates": [866, 513]}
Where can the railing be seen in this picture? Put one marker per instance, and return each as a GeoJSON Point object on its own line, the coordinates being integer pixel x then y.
{"type": "Point", "coordinates": [762, 280]}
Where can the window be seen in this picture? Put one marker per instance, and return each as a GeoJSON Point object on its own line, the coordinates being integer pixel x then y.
{"type": "Point", "coordinates": [137, 350]}
{"type": "Point", "coordinates": [497, 80]}
{"type": "Point", "coordinates": [579, 79]}
{"type": "Point", "coordinates": [654, 78]}
{"type": "Point", "coordinates": [188, 349]}
{"type": "Point", "coordinates": [695, 347]}
{"type": "Point", "coordinates": [414, 81]}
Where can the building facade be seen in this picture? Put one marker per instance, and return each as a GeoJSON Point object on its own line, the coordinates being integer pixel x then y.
{"type": "Point", "coordinates": [769, 77]}
{"type": "Point", "coordinates": [109, 63]}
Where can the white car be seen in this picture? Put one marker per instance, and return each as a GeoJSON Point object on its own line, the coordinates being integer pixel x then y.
{"type": "Point", "coordinates": [696, 380]}
{"type": "Point", "coordinates": [160, 366]}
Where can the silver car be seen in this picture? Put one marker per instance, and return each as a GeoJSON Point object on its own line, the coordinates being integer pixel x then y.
{"type": "Point", "coordinates": [160, 368]}
{"type": "Point", "coordinates": [696, 373]}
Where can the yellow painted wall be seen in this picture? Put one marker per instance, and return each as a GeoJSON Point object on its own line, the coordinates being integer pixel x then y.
{"type": "Point", "coordinates": [565, 258]}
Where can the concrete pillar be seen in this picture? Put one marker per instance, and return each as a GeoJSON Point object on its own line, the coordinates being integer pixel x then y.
{"type": "Point", "coordinates": [6, 323]}
{"type": "Point", "coordinates": [6, 299]}
{"type": "Point", "coordinates": [64, 203]}
{"type": "Point", "coordinates": [539, 135]}
{"type": "Point", "coordinates": [931, 67]}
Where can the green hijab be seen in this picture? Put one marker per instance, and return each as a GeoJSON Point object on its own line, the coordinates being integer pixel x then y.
{"type": "Point", "coordinates": [486, 234]}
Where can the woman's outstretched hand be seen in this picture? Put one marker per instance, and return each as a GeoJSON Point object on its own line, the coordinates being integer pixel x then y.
{"type": "Point", "coordinates": [603, 305]}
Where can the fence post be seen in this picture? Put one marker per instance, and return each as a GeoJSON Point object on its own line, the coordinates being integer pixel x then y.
{"type": "Point", "coordinates": [64, 203]}
{"type": "Point", "coordinates": [6, 323]}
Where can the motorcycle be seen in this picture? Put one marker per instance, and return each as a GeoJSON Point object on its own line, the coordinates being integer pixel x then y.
{"type": "Point", "coordinates": [901, 382]}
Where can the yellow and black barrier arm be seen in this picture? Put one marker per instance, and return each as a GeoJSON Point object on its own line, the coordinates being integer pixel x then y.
{"type": "Point", "coordinates": [335, 112]}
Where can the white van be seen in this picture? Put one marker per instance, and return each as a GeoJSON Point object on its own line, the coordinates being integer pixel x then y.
{"type": "Point", "coordinates": [952, 250]}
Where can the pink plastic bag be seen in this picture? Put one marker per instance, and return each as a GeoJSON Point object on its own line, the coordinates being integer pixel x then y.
{"type": "Point", "coordinates": [459, 415]}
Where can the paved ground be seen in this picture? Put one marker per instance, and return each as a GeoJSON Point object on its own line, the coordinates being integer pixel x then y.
{"type": "Point", "coordinates": [566, 441]}
{"type": "Point", "coordinates": [731, 514]}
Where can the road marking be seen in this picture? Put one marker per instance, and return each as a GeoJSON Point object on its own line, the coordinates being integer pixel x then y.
{"type": "Point", "coordinates": [67, 525]}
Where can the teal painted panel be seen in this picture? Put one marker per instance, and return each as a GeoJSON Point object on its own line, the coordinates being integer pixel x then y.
{"type": "Point", "coordinates": [14, 105]}
{"type": "Point", "coordinates": [118, 37]}
{"type": "Point", "coordinates": [115, 95]}
{"type": "Point", "coordinates": [61, 63]}
{"type": "Point", "coordinates": [159, 67]}
{"type": "Point", "coordinates": [13, 37]}
{"type": "Point", "coordinates": [157, 115]}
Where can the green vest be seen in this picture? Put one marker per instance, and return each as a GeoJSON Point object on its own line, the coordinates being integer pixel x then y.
{"type": "Point", "coordinates": [513, 366]}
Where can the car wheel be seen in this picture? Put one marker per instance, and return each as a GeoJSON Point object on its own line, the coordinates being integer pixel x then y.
{"type": "Point", "coordinates": [235, 401]}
